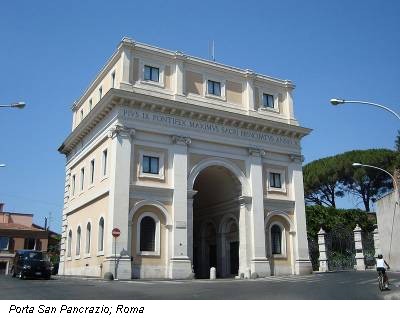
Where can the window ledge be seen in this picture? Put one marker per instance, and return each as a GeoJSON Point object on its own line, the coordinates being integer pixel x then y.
{"type": "Point", "coordinates": [87, 256]}
{"type": "Point", "coordinates": [220, 98]}
{"type": "Point", "coordinates": [279, 256]}
{"type": "Point", "coordinates": [277, 191]}
{"type": "Point", "coordinates": [100, 253]}
{"type": "Point", "coordinates": [152, 83]}
{"type": "Point", "coordinates": [78, 257]}
{"type": "Point", "coordinates": [156, 253]}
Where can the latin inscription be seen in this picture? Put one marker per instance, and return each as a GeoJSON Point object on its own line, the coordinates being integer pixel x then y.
{"type": "Point", "coordinates": [198, 125]}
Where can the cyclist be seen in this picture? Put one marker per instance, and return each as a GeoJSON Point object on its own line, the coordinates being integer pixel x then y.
{"type": "Point", "coordinates": [380, 267]}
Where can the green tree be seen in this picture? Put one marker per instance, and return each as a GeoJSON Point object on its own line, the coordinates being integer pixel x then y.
{"type": "Point", "coordinates": [328, 218]}
{"type": "Point", "coordinates": [366, 183]}
{"type": "Point", "coordinates": [322, 182]}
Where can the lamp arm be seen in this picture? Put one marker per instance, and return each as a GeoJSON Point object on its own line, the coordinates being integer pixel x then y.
{"type": "Point", "coordinates": [374, 104]}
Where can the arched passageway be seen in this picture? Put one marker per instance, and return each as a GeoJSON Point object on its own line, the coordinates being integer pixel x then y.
{"type": "Point", "coordinates": [216, 222]}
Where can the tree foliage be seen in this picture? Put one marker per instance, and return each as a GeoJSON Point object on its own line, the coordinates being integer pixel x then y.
{"type": "Point", "coordinates": [322, 182]}
{"type": "Point", "coordinates": [328, 218]}
{"type": "Point", "coordinates": [329, 178]}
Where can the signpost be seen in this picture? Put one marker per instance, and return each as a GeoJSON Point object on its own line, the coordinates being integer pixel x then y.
{"type": "Point", "coordinates": [115, 233]}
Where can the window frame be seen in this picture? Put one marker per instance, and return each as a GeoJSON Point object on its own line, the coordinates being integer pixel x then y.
{"type": "Point", "coordinates": [78, 242]}
{"type": "Point", "coordinates": [275, 96]}
{"type": "Point", "coordinates": [69, 244]}
{"type": "Point", "coordinates": [82, 179]}
{"type": "Point", "coordinates": [73, 185]}
{"type": "Point", "coordinates": [283, 253]}
{"type": "Point", "coordinates": [160, 156]}
{"type": "Point", "coordinates": [267, 98]}
{"type": "Point", "coordinates": [100, 92]}
{"type": "Point", "coordinates": [92, 171]}
{"type": "Point", "coordinates": [113, 79]}
{"type": "Point", "coordinates": [8, 243]}
{"type": "Point", "coordinates": [104, 163]}
{"type": "Point", "coordinates": [282, 173]}
{"type": "Point", "coordinates": [221, 81]}
{"type": "Point", "coordinates": [153, 64]}
{"type": "Point", "coordinates": [157, 238]}
{"type": "Point", "coordinates": [88, 239]}
{"type": "Point", "coordinates": [100, 251]}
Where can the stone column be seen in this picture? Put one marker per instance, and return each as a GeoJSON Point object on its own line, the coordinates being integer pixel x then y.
{"type": "Point", "coordinates": [302, 257]}
{"type": "Point", "coordinates": [119, 174]}
{"type": "Point", "coordinates": [180, 266]}
{"type": "Point", "coordinates": [377, 244]}
{"type": "Point", "coordinates": [360, 265]}
{"type": "Point", "coordinates": [259, 264]}
{"type": "Point", "coordinates": [323, 260]}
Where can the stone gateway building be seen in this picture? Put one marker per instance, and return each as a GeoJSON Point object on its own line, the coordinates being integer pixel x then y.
{"type": "Point", "coordinates": [197, 163]}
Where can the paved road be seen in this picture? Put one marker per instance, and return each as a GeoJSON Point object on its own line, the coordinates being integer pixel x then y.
{"type": "Point", "coordinates": [339, 285]}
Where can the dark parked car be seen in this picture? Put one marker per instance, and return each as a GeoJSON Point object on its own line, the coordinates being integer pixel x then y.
{"type": "Point", "coordinates": [30, 263]}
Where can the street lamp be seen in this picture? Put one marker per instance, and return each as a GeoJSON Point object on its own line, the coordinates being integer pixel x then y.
{"type": "Point", "coordinates": [18, 105]}
{"type": "Point", "coordinates": [358, 165]}
{"type": "Point", "coordinates": [338, 101]}
{"type": "Point", "coordinates": [2, 165]}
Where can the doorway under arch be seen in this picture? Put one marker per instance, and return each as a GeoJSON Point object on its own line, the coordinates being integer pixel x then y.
{"type": "Point", "coordinates": [216, 222]}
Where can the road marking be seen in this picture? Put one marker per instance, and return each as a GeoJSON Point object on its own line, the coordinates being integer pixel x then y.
{"type": "Point", "coordinates": [364, 282]}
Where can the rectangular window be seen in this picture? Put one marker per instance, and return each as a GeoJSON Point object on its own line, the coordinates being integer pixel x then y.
{"type": "Point", "coordinates": [82, 178]}
{"type": "Point", "coordinates": [91, 171]}
{"type": "Point", "coordinates": [90, 104]}
{"type": "Point", "coordinates": [81, 114]}
{"type": "Point", "coordinates": [275, 180]}
{"type": "Point", "coordinates": [268, 100]}
{"type": "Point", "coordinates": [151, 165]}
{"type": "Point", "coordinates": [104, 162]}
{"type": "Point", "coordinates": [151, 73]}
{"type": "Point", "coordinates": [214, 88]}
{"type": "Point", "coordinates": [113, 79]}
{"type": "Point", "coordinates": [29, 244]}
{"type": "Point", "coordinates": [100, 92]}
{"type": "Point", "coordinates": [4, 243]}
{"type": "Point", "coordinates": [73, 185]}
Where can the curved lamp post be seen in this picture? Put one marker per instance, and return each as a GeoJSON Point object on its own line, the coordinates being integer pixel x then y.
{"type": "Point", "coordinates": [2, 165]}
{"type": "Point", "coordinates": [338, 101]}
{"type": "Point", "coordinates": [358, 165]}
{"type": "Point", "coordinates": [18, 105]}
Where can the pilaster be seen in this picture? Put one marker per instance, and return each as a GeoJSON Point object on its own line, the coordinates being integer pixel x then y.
{"type": "Point", "coordinates": [180, 266]}
{"type": "Point", "coordinates": [179, 73]}
{"type": "Point", "coordinates": [259, 264]}
{"type": "Point", "coordinates": [120, 172]}
{"type": "Point", "coordinates": [302, 258]}
{"type": "Point", "coordinates": [250, 90]}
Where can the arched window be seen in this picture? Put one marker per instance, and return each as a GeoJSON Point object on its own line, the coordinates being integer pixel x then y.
{"type": "Point", "coordinates": [78, 241]}
{"type": "Point", "coordinates": [276, 239]}
{"type": "Point", "coordinates": [69, 243]}
{"type": "Point", "coordinates": [147, 234]}
{"type": "Point", "coordinates": [88, 237]}
{"type": "Point", "coordinates": [101, 235]}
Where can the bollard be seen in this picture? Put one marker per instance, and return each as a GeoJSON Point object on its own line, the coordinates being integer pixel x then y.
{"type": "Point", "coordinates": [213, 273]}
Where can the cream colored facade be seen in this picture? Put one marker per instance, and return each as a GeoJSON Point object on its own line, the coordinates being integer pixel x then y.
{"type": "Point", "coordinates": [197, 163]}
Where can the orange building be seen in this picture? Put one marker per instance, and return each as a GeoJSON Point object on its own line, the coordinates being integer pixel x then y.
{"type": "Point", "coordinates": [18, 232]}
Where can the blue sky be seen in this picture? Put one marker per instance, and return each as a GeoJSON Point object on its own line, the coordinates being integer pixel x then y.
{"type": "Point", "coordinates": [50, 51]}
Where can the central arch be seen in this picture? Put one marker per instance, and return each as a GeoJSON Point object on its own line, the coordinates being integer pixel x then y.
{"type": "Point", "coordinates": [216, 208]}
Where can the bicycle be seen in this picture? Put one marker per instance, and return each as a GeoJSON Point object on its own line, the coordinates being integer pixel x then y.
{"type": "Point", "coordinates": [381, 283]}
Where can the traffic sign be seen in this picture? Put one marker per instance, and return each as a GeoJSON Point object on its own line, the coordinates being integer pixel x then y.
{"type": "Point", "coordinates": [116, 232]}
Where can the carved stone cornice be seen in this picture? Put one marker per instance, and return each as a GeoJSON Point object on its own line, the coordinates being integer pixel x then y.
{"type": "Point", "coordinates": [120, 130]}
{"type": "Point", "coordinates": [180, 140]}
{"type": "Point", "coordinates": [245, 200]}
{"type": "Point", "coordinates": [256, 152]}
{"type": "Point", "coordinates": [191, 194]}
{"type": "Point", "coordinates": [296, 158]}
